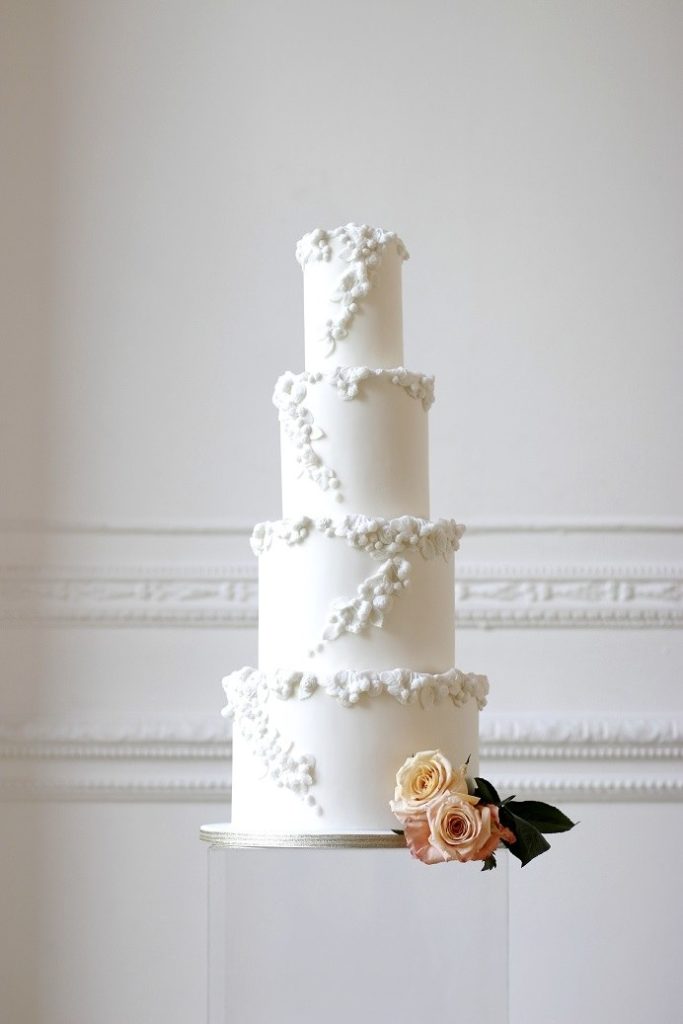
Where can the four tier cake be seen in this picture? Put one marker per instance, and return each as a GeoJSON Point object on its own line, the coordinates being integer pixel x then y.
{"type": "Point", "coordinates": [356, 582]}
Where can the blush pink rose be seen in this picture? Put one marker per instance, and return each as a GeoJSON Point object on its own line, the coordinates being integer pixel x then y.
{"type": "Point", "coordinates": [499, 834]}
{"type": "Point", "coordinates": [416, 831]}
{"type": "Point", "coordinates": [455, 829]}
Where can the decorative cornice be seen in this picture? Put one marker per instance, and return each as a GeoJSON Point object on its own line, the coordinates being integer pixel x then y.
{"type": "Point", "coordinates": [592, 738]}
{"type": "Point", "coordinates": [220, 528]}
{"type": "Point", "coordinates": [135, 595]}
{"type": "Point", "coordinates": [578, 525]}
{"type": "Point", "coordinates": [593, 788]}
{"type": "Point", "coordinates": [178, 789]}
{"type": "Point", "coordinates": [181, 758]}
{"type": "Point", "coordinates": [575, 596]}
{"type": "Point", "coordinates": [136, 738]}
{"type": "Point", "coordinates": [488, 595]}
{"type": "Point", "coordinates": [568, 788]}
{"type": "Point", "coordinates": [200, 736]}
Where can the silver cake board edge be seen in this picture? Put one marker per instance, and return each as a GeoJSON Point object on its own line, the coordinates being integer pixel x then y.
{"type": "Point", "coordinates": [227, 835]}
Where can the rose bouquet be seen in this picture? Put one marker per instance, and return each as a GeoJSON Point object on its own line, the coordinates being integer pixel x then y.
{"type": "Point", "coordinates": [448, 816]}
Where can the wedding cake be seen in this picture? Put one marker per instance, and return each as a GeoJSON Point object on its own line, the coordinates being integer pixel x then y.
{"type": "Point", "coordinates": [356, 582]}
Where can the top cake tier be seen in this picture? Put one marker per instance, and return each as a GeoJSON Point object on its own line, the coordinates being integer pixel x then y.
{"type": "Point", "coordinates": [352, 297]}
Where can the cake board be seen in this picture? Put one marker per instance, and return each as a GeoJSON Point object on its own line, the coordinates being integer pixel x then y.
{"type": "Point", "coordinates": [348, 927]}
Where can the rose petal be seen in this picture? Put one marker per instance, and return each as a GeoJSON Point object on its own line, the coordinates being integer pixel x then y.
{"type": "Point", "coordinates": [417, 840]}
{"type": "Point", "coordinates": [422, 778]}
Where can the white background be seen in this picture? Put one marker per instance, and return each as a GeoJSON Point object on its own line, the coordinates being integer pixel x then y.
{"type": "Point", "coordinates": [159, 162]}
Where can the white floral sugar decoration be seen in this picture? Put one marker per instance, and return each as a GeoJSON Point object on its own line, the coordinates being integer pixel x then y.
{"type": "Point", "coordinates": [289, 398]}
{"type": "Point", "coordinates": [386, 540]}
{"type": "Point", "coordinates": [377, 536]}
{"type": "Point", "coordinates": [248, 692]}
{"type": "Point", "coordinates": [301, 430]}
{"type": "Point", "coordinates": [374, 599]}
{"type": "Point", "coordinates": [362, 247]}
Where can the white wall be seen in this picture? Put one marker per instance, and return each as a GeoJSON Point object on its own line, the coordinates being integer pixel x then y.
{"type": "Point", "coordinates": [160, 162]}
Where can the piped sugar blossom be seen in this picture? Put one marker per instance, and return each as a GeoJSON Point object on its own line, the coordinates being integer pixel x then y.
{"type": "Point", "coordinates": [384, 540]}
{"type": "Point", "coordinates": [360, 249]}
{"type": "Point", "coordinates": [291, 397]}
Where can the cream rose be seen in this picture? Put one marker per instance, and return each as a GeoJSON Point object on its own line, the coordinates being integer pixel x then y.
{"type": "Point", "coordinates": [459, 786]}
{"type": "Point", "coordinates": [425, 777]}
{"type": "Point", "coordinates": [421, 778]}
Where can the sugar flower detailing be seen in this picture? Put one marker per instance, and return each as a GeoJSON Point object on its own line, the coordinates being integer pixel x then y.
{"type": "Point", "coordinates": [300, 429]}
{"type": "Point", "coordinates": [379, 538]}
{"type": "Point", "coordinates": [249, 694]}
{"type": "Point", "coordinates": [448, 816]}
{"type": "Point", "coordinates": [361, 247]}
{"type": "Point", "coordinates": [384, 540]}
{"type": "Point", "coordinates": [299, 426]}
{"type": "Point", "coordinates": [373, 600]}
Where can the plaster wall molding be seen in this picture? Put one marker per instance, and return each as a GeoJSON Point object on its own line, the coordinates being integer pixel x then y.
{"type": "Point", "coordinates": [187, 758]}
{"type": "Point", "coordinates": [232, 528]}
{"type": "Point", "coordinates": [200, 737]}
{"type": "Point", "coordinates": [568, 788]}
{"type": "Point", "coordinates": [488, 595]}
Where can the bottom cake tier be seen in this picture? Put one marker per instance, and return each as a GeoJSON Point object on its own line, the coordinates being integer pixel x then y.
{"type": "Point", "coordinates": [320, 753]}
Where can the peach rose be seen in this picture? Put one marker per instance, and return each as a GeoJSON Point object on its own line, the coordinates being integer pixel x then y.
{"type": "Point", "coordinates": [461, 831]}
{"type": "Point", "coordinates": [421, 779]}
{"type": "Point", "coordinates": [499, 834]}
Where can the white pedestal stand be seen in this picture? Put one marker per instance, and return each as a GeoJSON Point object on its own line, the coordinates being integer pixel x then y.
{"type": "Point", "coordinates": [333, 929]}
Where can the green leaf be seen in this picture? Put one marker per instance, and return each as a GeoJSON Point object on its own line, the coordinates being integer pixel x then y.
{"type": "Point", "coordinates": [486, 792]}
{"type": "Point", "coordinates": [530, 843]}
{"type": "Point", "coordinates": [490, 863]}
{"type": "Point", "coordinates": [508, 800]}
{"type": "Point", "coordinates": [542, 816]}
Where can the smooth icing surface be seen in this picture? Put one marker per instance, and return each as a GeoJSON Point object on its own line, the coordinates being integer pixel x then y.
{"type": "Point", "coordinates": [354, 440]}
{"type": "Point", "coordinates": [353, 314]}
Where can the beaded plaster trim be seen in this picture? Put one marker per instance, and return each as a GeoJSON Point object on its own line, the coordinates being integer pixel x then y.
{"type": "Point", "coordinates": [380, 538]}
{"type": "Point", "coordinates": [362, 247]}
{"type": "Point", "coordinates": [248, 692]}
{"type": "Point", "coordinates": [289, 398]}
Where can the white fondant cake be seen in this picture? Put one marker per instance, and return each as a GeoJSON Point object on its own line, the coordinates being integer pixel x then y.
{"type": "Point", "coordinates": [356, 589]}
